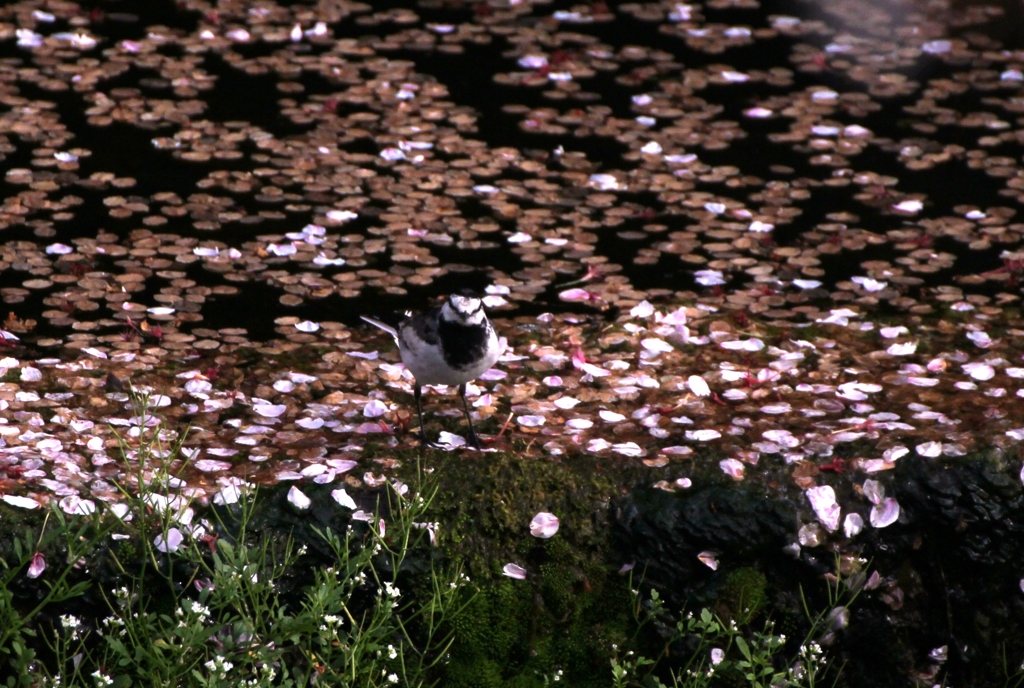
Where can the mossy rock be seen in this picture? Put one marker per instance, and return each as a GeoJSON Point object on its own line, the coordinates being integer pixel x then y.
{"type": "Point", "coordinates": [743, 595]}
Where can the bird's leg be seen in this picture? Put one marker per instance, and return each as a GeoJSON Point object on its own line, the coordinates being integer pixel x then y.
{"type": "Point", "coordinates": [469, 419]}
{"type": "Point", "coordinates": [417, 392]}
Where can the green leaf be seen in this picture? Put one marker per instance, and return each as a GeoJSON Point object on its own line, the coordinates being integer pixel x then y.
{"type": "Point", "coordinates": [744, 648]}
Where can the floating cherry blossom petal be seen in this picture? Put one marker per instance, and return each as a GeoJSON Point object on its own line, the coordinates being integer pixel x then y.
{"type": "Point", "coordinates": [629, 449]}
{"type": "Point", "coordinates": [575, 295]}
{"type": "Point", "coordinates": [531, 421]}
{"type": "Point", "coordinates": [705, 435]}
{"type": "Point", "coordinates": [642, 310]}
{"type": "Point", "coordinates": [211, 465]}
{"type": "Point", "coordinates": [885, 514]}
{"type": "Point", "coordinates": [76, 506]}
{"type": "Point", "coordinates": [979, 371]}
{"type": "Point", "coordinates": [298, 498]}
{"type": "Point", "coordinates": [657, 346]}
{"type": "Point", "coordinates": [611, 416]}
{"type": "Point", "coordinates": [698, 385]}
{"type": "Point", "coordinates": [544, 525]}
{"type": "Point", "coordinates": [270, 410]}
{"type": "Point", "coordinates": [810, 535]}
{"type": "Point", "coordinates": [910, 206]}
{"type": "Point", "coordinates": [929, 449]}
{"type": "Point", "coordinates": [750, 345]}
{"type": "Point", "coordinates": [823, 501]}
{"type": "Point", "coordinates": [902, 349]}
{"type": "Point", "coordinates": [514, 571]}
{"type": "Point", "coordinates": [374, 408]}
{"type": "Point", "coordinates": [579, 423]}
{"type": "Point", "coordinates": [21, 502]}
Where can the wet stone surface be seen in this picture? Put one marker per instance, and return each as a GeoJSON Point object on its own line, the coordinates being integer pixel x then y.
{"type": "Point", "coordinates": [750, 249]}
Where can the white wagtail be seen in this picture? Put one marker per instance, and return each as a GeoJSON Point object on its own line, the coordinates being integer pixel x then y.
{"type": "Point", "coordinates": [447, 345]}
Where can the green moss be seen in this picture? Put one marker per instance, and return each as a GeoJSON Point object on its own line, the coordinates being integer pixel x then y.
{"type": "Point", "coordinates": [571, 608]}
{"type": "Point", "coordinates": [744, 595]}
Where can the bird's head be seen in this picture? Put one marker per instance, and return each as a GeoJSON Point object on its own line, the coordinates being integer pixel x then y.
{"type": "Point", "coordinates": [464, 307]}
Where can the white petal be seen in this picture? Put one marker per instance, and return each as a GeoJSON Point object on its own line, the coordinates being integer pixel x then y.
{"type": "Point", "coordinates": [852, 524]}
{"type": "Point", "coordinates": [629, 449]}
{"type": "Point", "coordinates": [21, 502]}
{"type": "Point", "coordinates": [698, 385]}
{"type": "Point", "coordinates": [823, 501]}
{"type": "Point", "coordinates": [642, 310]}
{"type": "Point", "coordinates": [211, 465]}
{"type": "Point", "coordinates": [904, 349]}
{"type": "Point", "coordinates": [655, 345]}
{"type": "Point", "coordinates": [269, 410]}
{"type": "Point", "coordinates": [374, 408]}
{"type": "Point", "coordinates": [298, 498]}
{"type": "Point", "coordinates": [342, 498]}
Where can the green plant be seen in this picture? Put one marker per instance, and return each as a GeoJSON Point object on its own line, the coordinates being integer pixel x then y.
{"type": "Point", "coordinates": [72, 538]}
{"type": "Point", "coordinates": [707, 650]}
{"type": "Point", "coordinates": [204, 599]}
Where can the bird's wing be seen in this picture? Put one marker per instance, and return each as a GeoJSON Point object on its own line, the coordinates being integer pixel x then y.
{"type": "Point", "coordinates": [390, 329]}
{"type": "Point", "coordinates": [425, 326]}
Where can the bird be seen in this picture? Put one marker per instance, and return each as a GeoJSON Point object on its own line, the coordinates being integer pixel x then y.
{"type": "Point", "coordinates": [447, 345]}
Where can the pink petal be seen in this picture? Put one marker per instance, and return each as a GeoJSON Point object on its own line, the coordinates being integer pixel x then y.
{"type": "Point", "coordinates": [885, 514]}
{"type": "Point", "coordinates": [544, 525]}
{"type": "Point", "coordinates": [514, 571]}
{"type": "Point", "coordinates": [709, 559]}
{"type": "Point", "coordinates": [171, 543]}
{"type": "Point", "coordinates": [874, 491]}
{"type": "Point", "coordinates": [733, 468]}
{"type": "Point", "coordinates": [38, 565]}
